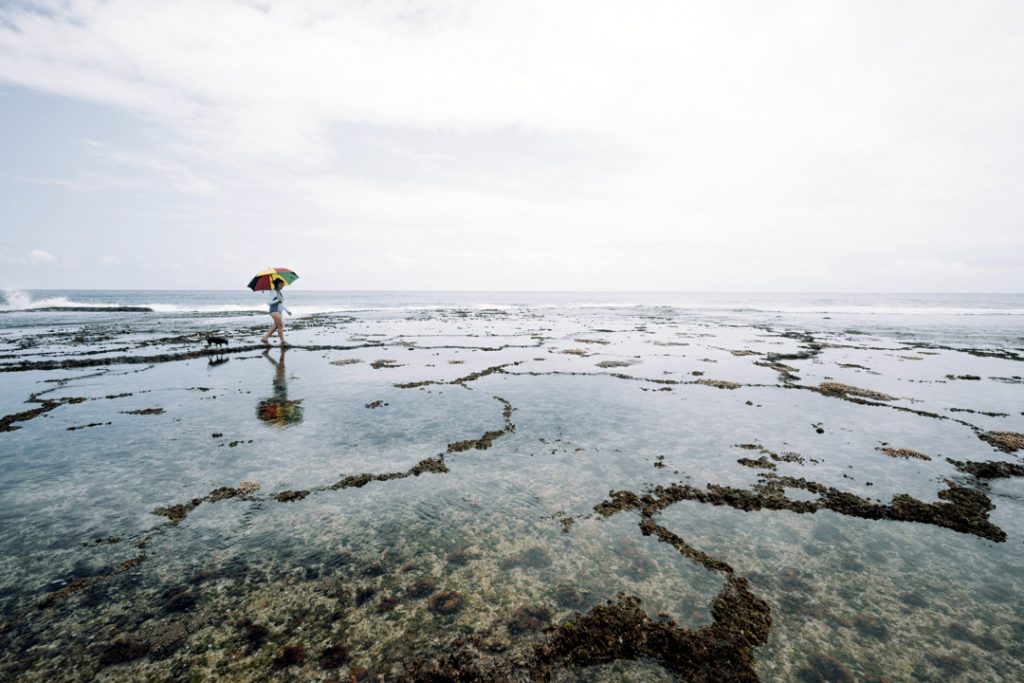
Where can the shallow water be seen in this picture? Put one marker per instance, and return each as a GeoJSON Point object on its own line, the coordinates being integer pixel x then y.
{"type": "Point", "coordinates": [178, 513]}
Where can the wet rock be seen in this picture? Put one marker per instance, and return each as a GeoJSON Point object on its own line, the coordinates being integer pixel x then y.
{"type": "Point", "coordinates": [822, 668]}
{"type": "Point", "coordinates": [180, 602]}
{"type": "Point", "coordinates": [334, 587]}
{"type": "Point", "coordinates": [614, 364]}
{"type": "Point", "coordinates": [638, 568]}
{"type": "Point", "coordinates": [948, 664]}
{"type": "Point", "coordinates": [421, 588]}
{"type": "Point", "coordinates": [176, 513]}
{"type": "Point", "coordinates": [871, 626]}
{"type": "Point", "coordinates": [460, 558]}
{"type": "Point", "coordinates": [333, 657]}
{"type": "Point", "coordinates": [355, 481]}
{"type": "Point", "coordinates": [222, 493]}
{"type": "Point", "coordinates": [762, 463]}
{"type": "Point", "coordinates": [385, 363]}
{"type": "Point", "coordinates": [435, 465]}
{"type": "Point", "coordinates": [289, 655]}
{"type": "Point", "coordinates": [375, 404]}
{"type": "Point", "coordinates": [914, 600]}
{"type": "Point", "coordinates": [483, 443]}
{"type": "Point", "coordinates": [622, 630]}
{"type": "Point", "coordinates": [387, 604]}
{"type": "Point", "coordinates": [719, 383]}
{"type": "Point", "coordinates": [902, 453]}
{"type": "Point", "coordinates": [288, 496]}
{"type": "Point", "coordinates": [1008, 442]}
{"type": "Point", "coordinates": [445, 603]}
{"type": "Point", "coordinates": [986, 642]}
{"type": "Point", "coordinates": [531, 558]}
{"type": "Point", "coordinates": [567, 596]}
{"type": "Point", "coordinates": [845, 391]}
{"type": "Point", "coordinates": [121, 651]}
{"type": "Point", "coordinates": [964, 510]}
{"type": "Point", "coordinates": [167, 640]}
{"type": "Point", "coordinates": [364, 595]}
{"type": "Point", "coordinates": [144, 411]}
{"type": "Point", "coordinates": [529, 618]}
{"type": "Point", "coordinates": [990, 469]}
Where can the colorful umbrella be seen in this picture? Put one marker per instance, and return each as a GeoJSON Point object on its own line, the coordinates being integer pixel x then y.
{"type": "Point", "coordinates": [264, 280]}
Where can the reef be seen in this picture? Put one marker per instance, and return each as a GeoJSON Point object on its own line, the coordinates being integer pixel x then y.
{"type": "Point", "coordinates": [989, 469]}
{"type": "Point", "coordinates": [613, 364]}
{"type": "Point", "coordinates": [7, 421]}
{"type": "Point", "coordinates": [845, 391]}
{"type": "Point", "coordinates": [1008, 442]}
{"type": "Point", "coordinates": [964, 510]}
{"type": "Point", "coordinates": [289, 655]}
{"type": "Point", "coordinates": [719, 383]}
{"type": "Point", "coordinates": [121, 651]}
{"type": "Point", "coordinates": [350, 595]}
{"type": "Point", "coordinates": [445, 603]}
{"type": "Point", "coordinates": [333, 657]}
{"type": "Point", "coordinates": [904, 453]}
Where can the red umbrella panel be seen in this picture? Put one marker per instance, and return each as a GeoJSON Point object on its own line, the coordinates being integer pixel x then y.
{"type": "Point", "coordinates": [264, 280]}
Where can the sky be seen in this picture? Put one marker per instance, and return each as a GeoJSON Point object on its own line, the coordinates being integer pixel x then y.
{"type": "Point", "coordinates": [523, 145]}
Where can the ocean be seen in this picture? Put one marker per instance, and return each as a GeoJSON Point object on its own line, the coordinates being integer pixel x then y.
{"type": "Point", "coordinates": [511, 486]}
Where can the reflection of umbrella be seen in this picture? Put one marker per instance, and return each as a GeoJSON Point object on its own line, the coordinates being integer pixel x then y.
{"type": "Point", "coordinates": [264, 280]}
{"type": "Point", "coordinates": [278, 412]}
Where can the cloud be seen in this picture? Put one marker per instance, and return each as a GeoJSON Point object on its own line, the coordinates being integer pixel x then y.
{"type": "Point", "coordinates": [738, 137]}
{"type": "Point", "coordinates": [40, 256]}
{"type": "Point", "coordinates": [127, 170]}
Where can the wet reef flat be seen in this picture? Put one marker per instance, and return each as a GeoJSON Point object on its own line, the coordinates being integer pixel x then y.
{"type": "Point", "coordinates": [601, 493]}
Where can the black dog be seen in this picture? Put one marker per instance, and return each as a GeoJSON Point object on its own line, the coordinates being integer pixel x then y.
{"type": "Point", "coordinates": [219, 341]}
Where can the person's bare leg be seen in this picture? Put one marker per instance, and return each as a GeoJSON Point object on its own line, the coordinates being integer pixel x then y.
{"type": "Point", "coordinates": [275, 326]}
{"type": "Point", "coordinates": [280, 328]}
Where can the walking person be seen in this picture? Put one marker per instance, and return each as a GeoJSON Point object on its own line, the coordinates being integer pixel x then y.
{"type": "Point", "coordinates": [275, 300]}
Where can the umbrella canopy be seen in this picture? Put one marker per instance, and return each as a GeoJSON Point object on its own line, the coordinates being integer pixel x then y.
{"type": "Point", "coordinates": [264, 280]}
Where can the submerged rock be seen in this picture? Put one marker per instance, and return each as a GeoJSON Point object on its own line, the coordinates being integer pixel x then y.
{"type": "Point", "coordinates": [1009, 442]}
{"type": "Point", "coordinates": [529, 618]}
{"type": "Point", "coordinates": [121, 651]}
{"type": "Point", "coordinates": [180, 602]}
{"type": "Point", "coordinates": [289, 655]}
{"type": "Point", "coordinates": [822, 668]}
{"type": "Point", "coordinates": [845, 391]}
{"type": "Point", "coordinates": [333, 657]}
{"type": "Point", "coordinates": [904, 453]}
{"type": "Point", "coordinates": [531, 558]}
{"type": "Point", "coordinates": [445, 603]}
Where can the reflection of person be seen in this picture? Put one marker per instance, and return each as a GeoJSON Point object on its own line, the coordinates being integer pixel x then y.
{"type": "Point", "coordinates": [278, 410]}
{"type": "Point", "coordinates": [275, 300]}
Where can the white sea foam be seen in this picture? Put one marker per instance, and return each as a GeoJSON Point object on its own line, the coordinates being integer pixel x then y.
{"type": "Point", "coordinates": [17, 300]}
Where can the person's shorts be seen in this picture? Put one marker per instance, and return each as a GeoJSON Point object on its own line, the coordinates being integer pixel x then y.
{"type": "Point", "coordinates": [275, 308]}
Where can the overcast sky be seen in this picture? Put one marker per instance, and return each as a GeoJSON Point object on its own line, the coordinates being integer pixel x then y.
{"type": "Point", "coordinates": [684, 146]}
